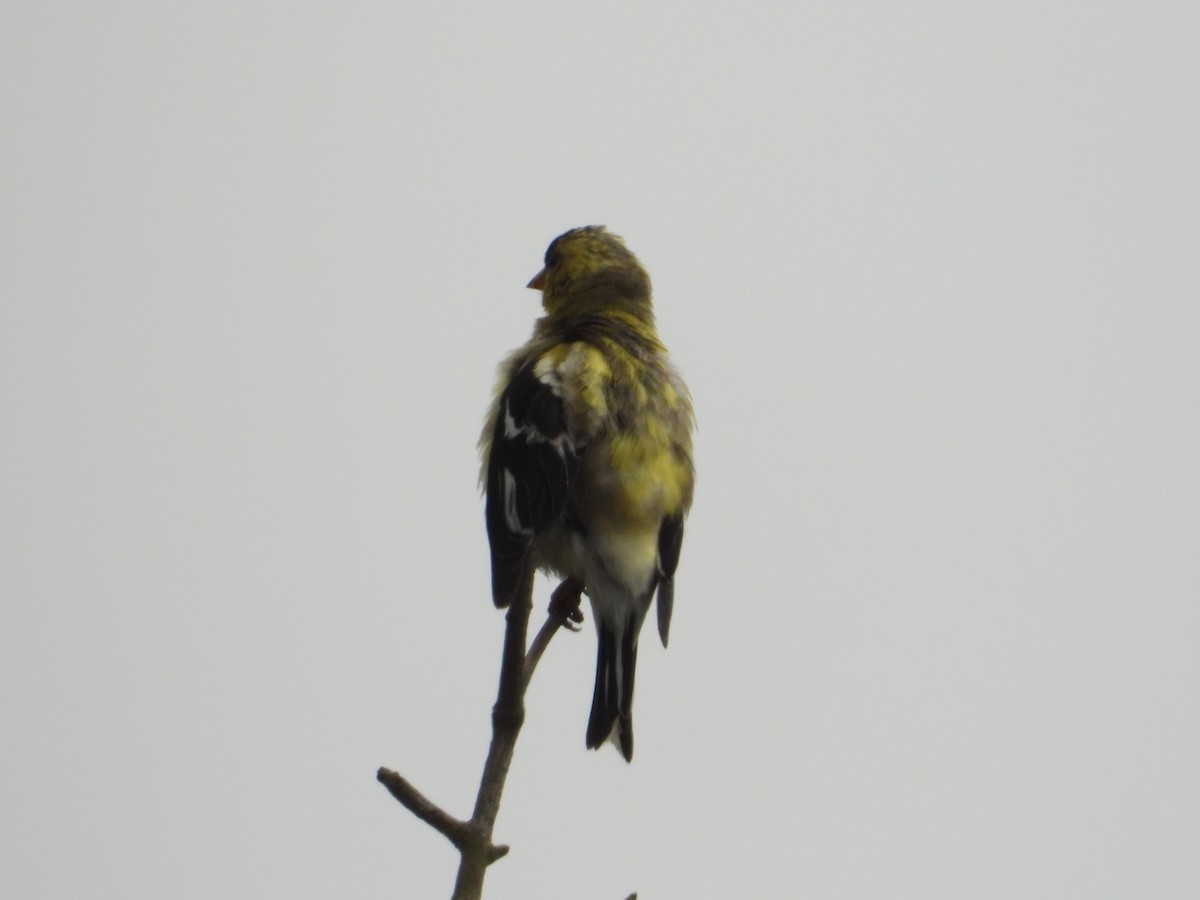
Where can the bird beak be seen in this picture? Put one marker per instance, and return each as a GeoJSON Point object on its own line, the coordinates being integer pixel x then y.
{"type": "Point", "coordinates": [538, 281]}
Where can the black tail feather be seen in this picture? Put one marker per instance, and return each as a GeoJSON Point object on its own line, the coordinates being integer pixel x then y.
{"type": "Point", "coordinates": [625, 707]}
{"type": "Point", "coordinates": [612, 699]}
{"type": "Point", "coordinates": [604, 697]}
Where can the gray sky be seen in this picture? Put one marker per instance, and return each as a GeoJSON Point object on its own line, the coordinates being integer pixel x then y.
{"type": "Point", "coordinates": [931, 271]}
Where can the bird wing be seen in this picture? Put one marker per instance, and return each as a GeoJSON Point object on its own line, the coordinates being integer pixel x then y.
{"type": "Point", "coordinates": [531, 465]}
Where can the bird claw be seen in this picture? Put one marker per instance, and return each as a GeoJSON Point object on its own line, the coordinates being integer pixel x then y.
{"type": "Point", "coordinates": [566, 600]}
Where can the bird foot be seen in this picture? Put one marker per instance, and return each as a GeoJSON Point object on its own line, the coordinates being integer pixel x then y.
{"type": "Point", "coordinates": [566, 600]}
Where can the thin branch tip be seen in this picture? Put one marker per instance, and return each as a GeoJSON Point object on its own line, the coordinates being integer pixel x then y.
{"type": "Point", "coordinates": [454, 830]}
{"type": "Point", "coordinates": [563, 612]}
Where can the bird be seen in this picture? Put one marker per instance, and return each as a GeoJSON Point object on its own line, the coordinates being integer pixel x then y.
{"type": "Point", "coordinates": [587, 462]}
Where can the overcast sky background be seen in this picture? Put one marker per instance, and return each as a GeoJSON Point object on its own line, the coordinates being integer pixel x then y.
{"type": "Point", "coordinates": [932, 271]}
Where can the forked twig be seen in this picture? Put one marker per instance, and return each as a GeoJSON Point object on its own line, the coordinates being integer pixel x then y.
{"type": "Point", "coordinates": [473, 837]}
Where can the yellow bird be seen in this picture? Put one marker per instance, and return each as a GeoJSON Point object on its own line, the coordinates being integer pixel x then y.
{"type": "Point", "coordinates": [587, 459]}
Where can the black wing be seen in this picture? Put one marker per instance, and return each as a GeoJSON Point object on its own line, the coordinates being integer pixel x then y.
{"type": "Point", "coordinates": [530, 469]}
{"type": "Point", "coordinates": [670, 540]}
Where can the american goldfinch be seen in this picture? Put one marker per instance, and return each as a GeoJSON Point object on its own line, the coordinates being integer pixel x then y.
{"type": "Point", "coordinates": [587, 459]}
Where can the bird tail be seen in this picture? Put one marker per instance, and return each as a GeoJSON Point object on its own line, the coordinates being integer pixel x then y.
{"type": "Point", "coordinates": [612, 700]}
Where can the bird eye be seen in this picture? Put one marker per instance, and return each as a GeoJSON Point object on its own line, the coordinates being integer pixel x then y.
{"type": "Point", "coordinates": [553, 256]}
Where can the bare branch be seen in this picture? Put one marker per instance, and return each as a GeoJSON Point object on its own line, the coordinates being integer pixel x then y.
{"type": "Point", "coordinates": [473, 838]}
{"type": "Point", "coordinates": [508, 715]}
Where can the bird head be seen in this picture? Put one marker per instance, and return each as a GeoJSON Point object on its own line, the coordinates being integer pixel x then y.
{"type": "Point", "coordinates": [588, 270]}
